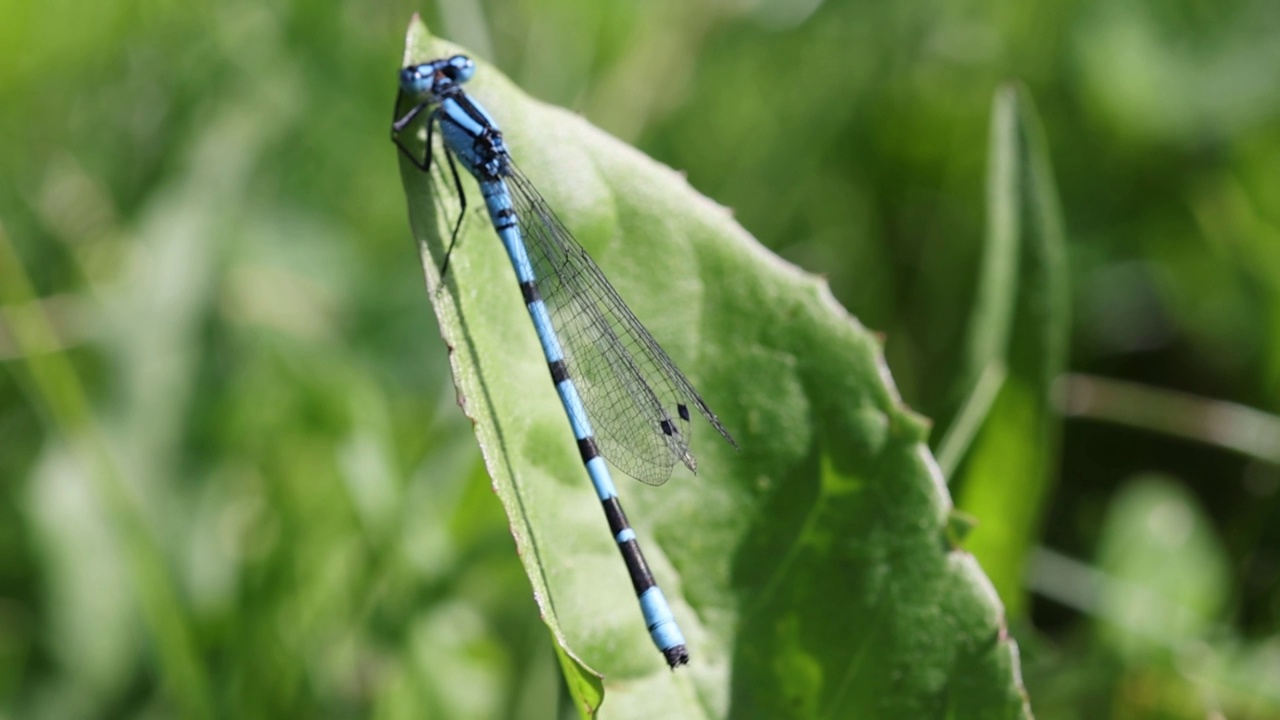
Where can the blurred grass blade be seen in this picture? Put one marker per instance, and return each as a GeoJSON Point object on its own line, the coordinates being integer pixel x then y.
{"type": "Point", "coordinates": [1232, 426]}
{"type": "Point", "coordinates": [56, 389]}
{"type": "Point", "coordinates": [958, 437]}
{"type": "Point", "coordinates": [1018, 331]}
{"type": "Point", "coordinates": [811, 572]}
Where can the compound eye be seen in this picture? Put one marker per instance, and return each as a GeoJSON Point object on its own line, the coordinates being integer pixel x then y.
{"type": "Point", "coordinates": [413, 80]}
{"type": "Point", "coordinates": [461, 68]}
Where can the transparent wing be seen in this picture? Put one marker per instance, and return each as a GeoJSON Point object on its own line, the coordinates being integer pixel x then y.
{"type": "Point", "coordinates": [638, 401]}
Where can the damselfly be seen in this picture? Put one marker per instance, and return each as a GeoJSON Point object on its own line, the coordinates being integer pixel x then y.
{"type": "Point", "coordinates": [625, 399]}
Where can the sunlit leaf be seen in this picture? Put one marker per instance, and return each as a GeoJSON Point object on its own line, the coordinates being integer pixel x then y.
{"type": "Point", "coordinates": [1017, 346]}
{"type": "Point", "coordinates": [811, 571]}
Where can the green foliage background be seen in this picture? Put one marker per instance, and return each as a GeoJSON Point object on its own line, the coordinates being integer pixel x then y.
{"type": "Point", "coordinates": [233, 478]}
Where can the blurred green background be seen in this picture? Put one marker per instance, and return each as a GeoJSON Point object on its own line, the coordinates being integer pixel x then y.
{"type": "Point", "coordinates": [231, 462]}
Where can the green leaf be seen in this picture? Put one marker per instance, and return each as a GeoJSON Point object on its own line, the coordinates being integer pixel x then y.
{"type": "Point", "coordinates": [811, 571]}
{"type": "Point", "coordinates": [1169, 568]}
{"type": "Point", "coordinates": [1017, 346]}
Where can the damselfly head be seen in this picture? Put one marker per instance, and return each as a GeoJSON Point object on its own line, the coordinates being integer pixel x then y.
{"type": "Point", "coordinates": [430, 80]}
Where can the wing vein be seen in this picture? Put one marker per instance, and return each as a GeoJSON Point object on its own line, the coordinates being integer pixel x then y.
{"type": "Point", "coordinates": [631, 389]}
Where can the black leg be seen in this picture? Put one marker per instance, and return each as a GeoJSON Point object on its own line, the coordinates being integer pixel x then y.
{"type": "Point", "coordinates": [399, 123]}
{"type": "Point", "coordinates": [462, 211]}
{"type": "Point", "coordinates": [395, 113]}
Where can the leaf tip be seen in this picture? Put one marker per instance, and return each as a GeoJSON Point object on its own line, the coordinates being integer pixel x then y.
{"type": "Point", "coordinates": [959, 526]}
{"type": "Point", "coordinates": [912, 425]}
{"type": "Point", "coordinates": [416, 37]}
